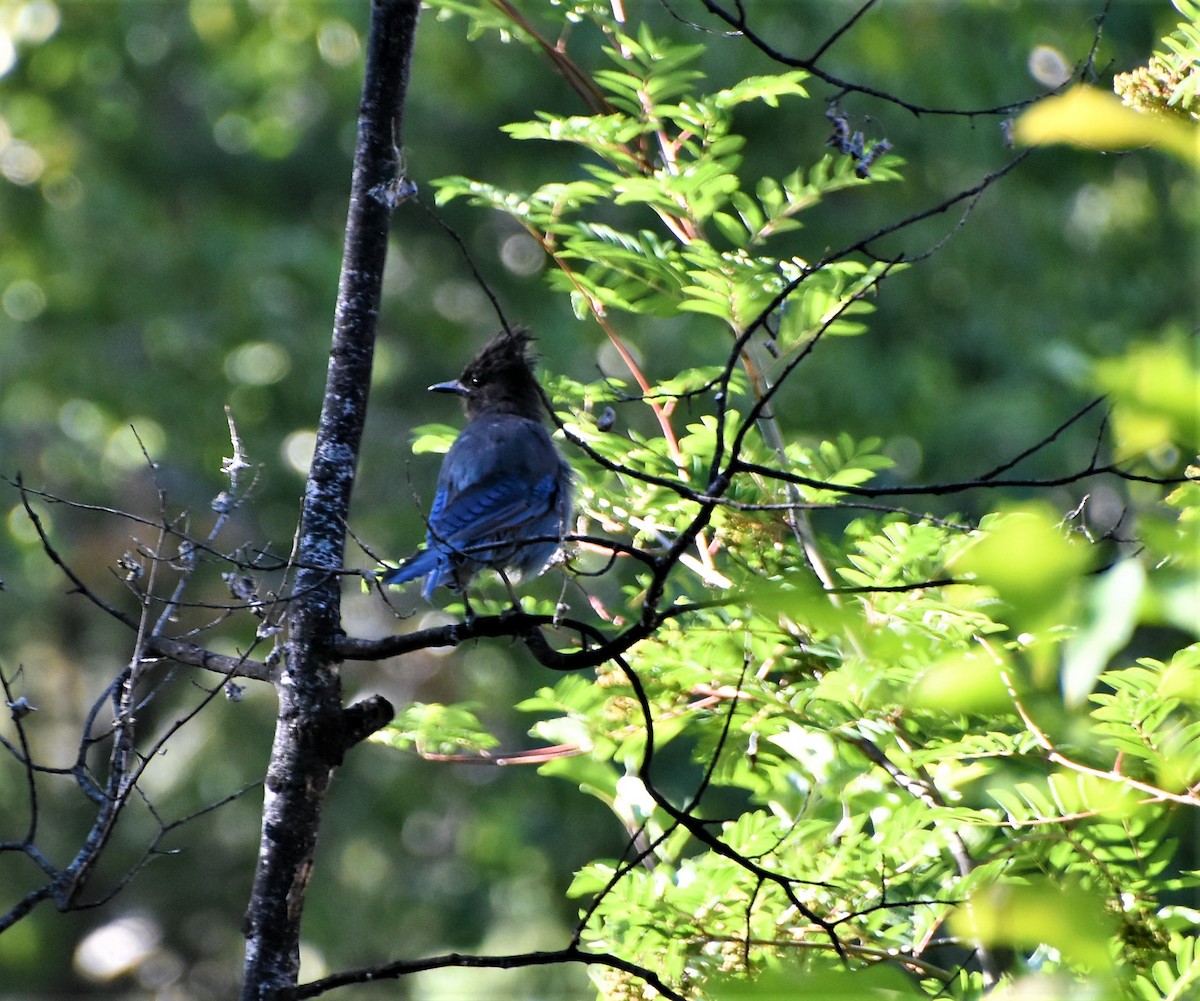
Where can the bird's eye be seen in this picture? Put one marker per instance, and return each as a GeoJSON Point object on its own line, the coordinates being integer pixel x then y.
{"type": "Point", "coordinates": [474, 381]}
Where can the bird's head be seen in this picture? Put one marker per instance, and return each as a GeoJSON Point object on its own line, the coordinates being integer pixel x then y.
{"type": "Point", "coordinates": [499, 379]}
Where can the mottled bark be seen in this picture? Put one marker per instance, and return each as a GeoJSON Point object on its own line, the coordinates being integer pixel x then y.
{"type": "Point", "coordinates": [313, 730]}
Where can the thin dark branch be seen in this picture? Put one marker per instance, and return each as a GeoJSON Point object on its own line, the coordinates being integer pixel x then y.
{"type": "Point", "coordinates": [58, 561]}
{"type": "Point", "coordinates": [515, 961]}
{"type": "Point", "coordinates": [699, 829]}
{"type": "Point", "coordinates": [578, 79]}
{"type": "Point", "coordinates": [741, 26]}
{"type": "Point", "coordinates": [842, 29]}
{"type": "Point", "coordinates": [24, 758]}
{"type": "Point", "coordinates": [468, 259]}
{"type": "Point", "coordinates": [1039, 445]}
{"type": "Point", "coordinates": [23, 906]}
{"type": "Point", "coordinates": [956, 487]}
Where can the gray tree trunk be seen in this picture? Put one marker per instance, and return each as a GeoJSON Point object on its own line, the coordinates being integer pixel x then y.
{"type": "Point", "coordinates": [313, 729]}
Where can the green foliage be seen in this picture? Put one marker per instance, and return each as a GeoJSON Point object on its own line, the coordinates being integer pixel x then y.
{"type": "Point", "coordinates": [1154, 388]}
{"type": "Point", "coordinates": [971, 724]}
{"type": "Point", "coordinates": [1174, 977]}
{"type": "Point", "coordinates": [1149, 716]}
{"type": "Point", "coordinates": [437, 729]}
{"type": "Point", "coordinates": [1170, 81]}
{"type": "Point", "coordinates": [692, 186]}
{"type": "Point", "coordinates": [819, 784]}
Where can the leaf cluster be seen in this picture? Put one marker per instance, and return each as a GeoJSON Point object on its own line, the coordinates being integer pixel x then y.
{"type": "Point", "coordinates": [1170, 81]}
{"type": "Point", "coordinates": [873, 746]}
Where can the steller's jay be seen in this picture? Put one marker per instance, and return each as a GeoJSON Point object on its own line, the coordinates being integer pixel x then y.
{"type": "Point", "coordinates": [503, 496]}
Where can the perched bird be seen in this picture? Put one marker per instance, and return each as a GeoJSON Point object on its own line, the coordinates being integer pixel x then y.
{"type": "Point", "coordinates": [503, 496]}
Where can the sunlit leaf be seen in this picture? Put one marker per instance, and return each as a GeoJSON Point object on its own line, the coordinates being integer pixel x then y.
{"type": "Point", "coordinates": [1089, 117]}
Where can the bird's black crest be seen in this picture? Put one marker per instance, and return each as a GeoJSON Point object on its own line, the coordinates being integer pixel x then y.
{"type": "Point", "coordinates": [509, 349]}
{"type": "Point", "coordinates": [500, 377]}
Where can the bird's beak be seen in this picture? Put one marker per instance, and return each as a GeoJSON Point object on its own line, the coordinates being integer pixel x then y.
{"type": "Point", "coordinates": [453, 386]}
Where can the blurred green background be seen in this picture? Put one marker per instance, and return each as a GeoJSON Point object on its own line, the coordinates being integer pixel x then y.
{"type": "Point", "coordinates": [173, 183]}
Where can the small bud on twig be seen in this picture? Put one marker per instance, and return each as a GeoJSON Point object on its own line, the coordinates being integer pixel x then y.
{"type": "Point", "coordinates": [21, 708]}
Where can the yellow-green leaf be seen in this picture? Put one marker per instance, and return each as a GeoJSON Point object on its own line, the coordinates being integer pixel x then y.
{"type": "Point", "coordinates": [1093, 118]}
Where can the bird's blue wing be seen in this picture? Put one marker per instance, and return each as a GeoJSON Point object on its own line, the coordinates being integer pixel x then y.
{"type": "Point", "coordinates": [475, 524]}
{"type": "Point", "coordinates": [477, 515]}
{"type": "Point", "coordinates": [439, 502]}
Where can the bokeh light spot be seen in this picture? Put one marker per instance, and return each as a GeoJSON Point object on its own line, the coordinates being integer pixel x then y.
{"type": "Point", "coordinates": [124, 447]}
{"type": "Point", "coordinates": [21, 163]}
{"type": "Point", "coordinates": [22, 529]}
{"type": "Point", "coordinates": [62, 190]}
{"type": "Point", "coordinates": [37, 21]}
{"type": "Point", "coordinates": [522, 255]}
{"type": "Point", "coordinates": [147, 44]}
{"type": "Point", "coordinates": [233, 133]}
{"type": "Point", "coordinates": [1049, 67]}
{"type": "Point", "coordinates": [459, 301]}
{"type": "Point", "coordinates": [8, 54]}
{"type": "Point", "coordinates": [23, 300]}
{"type": "Point", "coordinates": [259, 363]}
{"type": "Point", "coordinates": [298, 449]}
{"type": "Point", "coordinates": [212, 19]}
{"type": "Point", "coordinates": [116, 948]}
{"type": "Point", "coordinates": [337, 41]}
{"type": "Point", "coordinates": [82, 420]}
